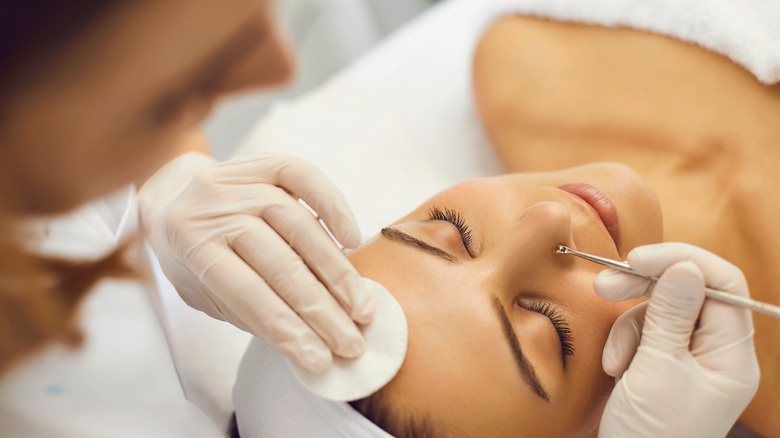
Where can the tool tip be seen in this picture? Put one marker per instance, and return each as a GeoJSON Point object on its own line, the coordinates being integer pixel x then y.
{"type": "Point", "coordinates": [559, 249]}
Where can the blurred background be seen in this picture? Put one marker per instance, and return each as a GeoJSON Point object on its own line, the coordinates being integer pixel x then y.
{"type": "Point", "coordinates": [327, 35]}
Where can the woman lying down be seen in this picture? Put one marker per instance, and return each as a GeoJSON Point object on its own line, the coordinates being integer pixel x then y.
{"type": "Point", "coordinates": [505, 337]}
{"type": "Point", "coordinates": [473, 267]}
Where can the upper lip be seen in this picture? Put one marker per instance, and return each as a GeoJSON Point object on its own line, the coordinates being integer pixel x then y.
{"type": "Point", "coordinates": [600, 203]}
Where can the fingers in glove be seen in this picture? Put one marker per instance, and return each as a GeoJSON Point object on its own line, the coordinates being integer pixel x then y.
{"type": "Point", "coordinates": [305, 235]}
{"type": "Point", "coordinates": [673, 309]}
{"type": "Point", "coordinates": [718, 273]}
{"type": "Point", "coordinates": [728, 352]}
{"type": "Point", "coordinates": [719, 323]}
{"type": "Point", "coordinates": [723, 341]}
{"type": "Point", "coordinates": [309, 183]}
{"type": "Point", "coordinates": [623, 340]}
{"type": "Point", "coordinates": [614, 285]}
{"type": "Point", "coordinates": [247, 301]}
{"type": "Point", "coordinates": [285, 272]}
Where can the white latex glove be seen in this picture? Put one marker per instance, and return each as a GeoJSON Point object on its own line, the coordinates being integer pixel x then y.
{"type": "Point", "coordinates": [236, 243]}
{"type": "Point", "coordinates": [686, 367]}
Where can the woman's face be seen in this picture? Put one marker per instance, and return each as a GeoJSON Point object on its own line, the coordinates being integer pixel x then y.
{"type": "Point", "coordinates": [130, 91]}
{"type": "Point", "coordinates": [485, 357]}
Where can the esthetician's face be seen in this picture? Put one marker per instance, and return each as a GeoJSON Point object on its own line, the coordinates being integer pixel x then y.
{"type": "Point", "coordinates": [485, 357]}
{"type": "Point", "coordinates": [120, 100]}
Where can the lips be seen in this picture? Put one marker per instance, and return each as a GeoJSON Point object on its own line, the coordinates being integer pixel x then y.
{"type": "Point", "coordinates": [601, 203]}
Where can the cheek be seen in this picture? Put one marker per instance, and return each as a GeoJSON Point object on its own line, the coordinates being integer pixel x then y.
{"type": "Point", "coordinates": [457, 356]}
{"type": "Point", "coordinates": [592, 323]}
{"type": "Point", "coordinates": [589, 385]}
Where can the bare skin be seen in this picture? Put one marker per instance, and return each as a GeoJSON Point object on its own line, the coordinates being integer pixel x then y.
{"type": "Point", "coordinates": [130, 94]}
{"type": "Point", "coordinates": [477, 389]}
{"type": "Point", "coordinates": [699, 128]}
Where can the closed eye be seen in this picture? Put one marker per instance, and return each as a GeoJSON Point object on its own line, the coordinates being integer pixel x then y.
{"type": "Point", "coordinates": [560, 324]}
{"type": "Point", "coordinates": [455, 218]}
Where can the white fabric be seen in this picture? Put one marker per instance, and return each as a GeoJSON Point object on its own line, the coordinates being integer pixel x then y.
{"type": "Point", "coordinates": [90, 231]}
{"type": "Point", "coordinates": [206, 352]}
{"type": "Point", "coordinates": [270, 402]}
{"type": "Point", "coordinates": [121, 382]}
{"type": "Point", "coordinates": [386, 341]}
{"type": "Point", "coordinates": [746, 31]}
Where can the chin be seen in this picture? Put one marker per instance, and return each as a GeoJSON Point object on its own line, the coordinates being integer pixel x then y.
{"type": "Point", "coordinates": [46, 205]}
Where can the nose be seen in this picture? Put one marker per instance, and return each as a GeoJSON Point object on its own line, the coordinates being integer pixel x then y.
{"type": "Point", "coordinates": [528, 241]}
{"type": "Point", "coordinates": [270, 63]}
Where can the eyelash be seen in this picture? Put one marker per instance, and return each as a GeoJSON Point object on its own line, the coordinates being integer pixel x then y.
{"type": "Point", "coordinates": [560, 324]}
{"type": "Point", "coordinates": [453, 217]}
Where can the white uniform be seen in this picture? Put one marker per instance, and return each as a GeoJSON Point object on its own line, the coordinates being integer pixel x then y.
{"type": "Point", "coordinates": [122, 382]}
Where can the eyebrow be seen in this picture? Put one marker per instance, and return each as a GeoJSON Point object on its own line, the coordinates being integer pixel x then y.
{"type": "Point", "coordinates": [408, 240]}
{"type": "Point", "coordinates": [529, 374]}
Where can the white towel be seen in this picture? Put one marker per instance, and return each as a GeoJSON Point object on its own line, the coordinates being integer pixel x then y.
{"type": "Point", "coordinates": [747, 31]}
{"type": "Point", "coordinates": [270, 402]}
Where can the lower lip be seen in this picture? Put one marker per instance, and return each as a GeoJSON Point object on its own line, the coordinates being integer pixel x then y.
{"type": "Point", "coordinates": [601, 203]}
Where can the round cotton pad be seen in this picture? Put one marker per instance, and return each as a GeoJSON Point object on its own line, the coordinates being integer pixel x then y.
{"type": "Point", "coordinates": [386, 340]}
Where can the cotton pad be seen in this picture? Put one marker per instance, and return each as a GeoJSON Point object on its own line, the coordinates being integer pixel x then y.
{"type": "Point", "coordinates": [386, 341]}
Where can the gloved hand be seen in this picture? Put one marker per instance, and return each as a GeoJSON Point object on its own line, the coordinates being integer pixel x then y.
{"type": "Point", "coordinates": [686, 367]}
{"type": "Point", "coordinates": [236, 243]}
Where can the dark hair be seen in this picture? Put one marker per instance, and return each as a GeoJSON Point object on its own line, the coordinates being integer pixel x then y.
{"type": "Point", "coordinates": [40, 296]}
{"type": "Point", "coordinates": [31, 31]}
{"type": "Point", "coordinates": [232, 431]}
{"type": "Point", "coordinates": [376, 408]}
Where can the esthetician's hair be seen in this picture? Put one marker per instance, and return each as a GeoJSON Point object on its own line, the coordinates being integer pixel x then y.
{"type": "Point", "coordinates": [33, 31]}
{"type": "Point", "coordinates": [39, 295]}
